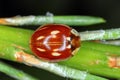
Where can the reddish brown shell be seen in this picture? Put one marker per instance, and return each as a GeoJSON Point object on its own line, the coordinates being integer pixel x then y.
{"type": "Point", "coordinates": [54, 42]}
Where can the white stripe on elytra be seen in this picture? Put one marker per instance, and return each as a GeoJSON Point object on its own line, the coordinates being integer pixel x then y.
{"type": "Point", "coordinates": [41, 50]}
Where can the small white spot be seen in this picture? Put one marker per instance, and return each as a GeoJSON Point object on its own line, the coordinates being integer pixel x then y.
{"type": "Point", "coordinates": [55, 49]}
{"type": "Point", "coordinates": [56, 54]}
{"type": "Point", "coordinates": [54, 36]}
{"type": "Point", "coordinates": [55, 32]}
{"type": "Point", "coordinates": [69, 46]}
{"type": "Point", "coordinates": [40, 37]}
{"type": "Point", "coordinates": [68, 38]}
{"type": "Point", "coordinates": [42, 50]}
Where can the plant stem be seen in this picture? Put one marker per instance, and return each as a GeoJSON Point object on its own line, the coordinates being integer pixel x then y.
{"type": "Point", "coordinates": [17, 74]}
{"type": "Point", "coordinates": [16, 36]}
{"type": "Point", "coordinates": [109, 49]}
{"type": "Point", "coordinates": [39, 20]}
{"type": "Point", "coordinates": [10, 52]}
{"type": "Point", "coordinates": [100, 34]}
{"type": "Point", "coordinates": [113, 42]}
{"type": "Point", "coordinates": [96, 58]}
{"type": "Point", "coordinates": [96, 61]}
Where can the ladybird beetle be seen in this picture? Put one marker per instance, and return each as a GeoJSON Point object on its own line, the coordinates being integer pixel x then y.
{"type": "Point", "coordinates": [54, 42]}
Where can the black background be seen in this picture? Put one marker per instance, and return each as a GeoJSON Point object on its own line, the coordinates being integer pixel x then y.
{"type": "Point", "coordinates": [108, 9]}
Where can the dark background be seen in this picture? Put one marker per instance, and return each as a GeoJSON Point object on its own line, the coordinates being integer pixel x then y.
{"type": "Point", "coordinates": [108, 9]}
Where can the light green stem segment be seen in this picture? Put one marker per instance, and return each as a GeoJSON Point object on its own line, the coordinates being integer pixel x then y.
{"type": "Point", "coordinates": [95, 58]}
{"type": "Point", "coordinates": [16, 36]}
{"type": "Point", "coordinates": [112, 42]}
{"type": "Point", "coordinates": [109, 49]}
{"type": "Point", "coordinates": [68, 20]}
{"type": "Point", "coordinates": [100, 34]}
{"type": "Point", "coordinates": [17, 74]}
{"type": "Point", "coordinates": [8, 51]}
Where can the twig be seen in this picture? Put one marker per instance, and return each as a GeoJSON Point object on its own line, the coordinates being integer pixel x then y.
{"type": "Point", "coordinates": [39, 20]}
{"type": "Point", "coordinates": [101, 34]}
